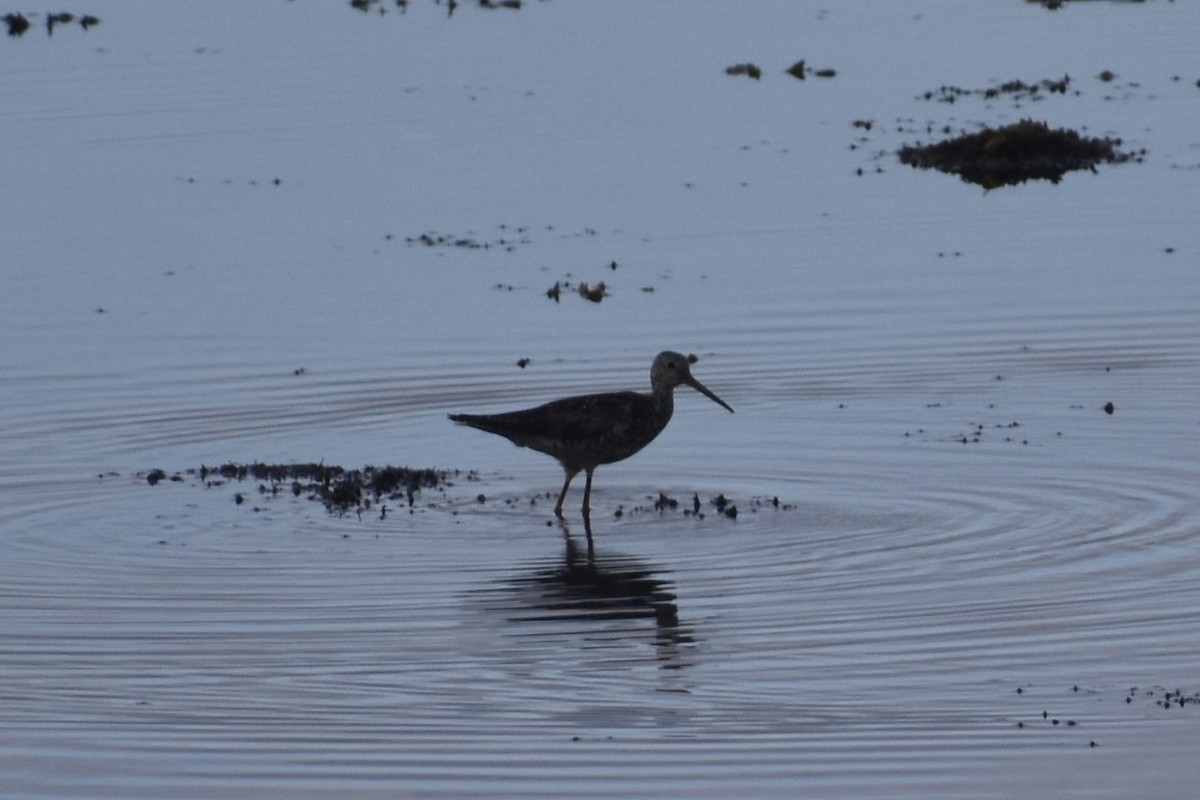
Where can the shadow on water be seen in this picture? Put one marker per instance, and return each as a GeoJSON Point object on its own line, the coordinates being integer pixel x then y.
{"type": "Point", "coordinates": [601, 589]}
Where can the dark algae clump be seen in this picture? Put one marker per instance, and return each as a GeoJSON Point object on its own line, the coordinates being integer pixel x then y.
{"type": "Point", "coordinates": [1012, 154]}
{"type": "Point", "coordinates": [339, 489]}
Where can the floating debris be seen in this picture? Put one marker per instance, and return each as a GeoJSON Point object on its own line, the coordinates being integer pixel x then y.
{"type": "Point", "coordinates": [801, 70]}
{"type": "Point", "coordinates": [17, 23]}
{"type": "Point", "coordinates": [1016, 89]}
{"type": "Point", "coordinates": [1016, 153]}
{"type": "Point", "coordinates": [468, 242]}
{"type": "Point", "coordinates": [751, 70]}
{"type": "Point", "coordinates": [1055, 5]}
{"type": "Point", "coordinates": [340, 490]}
{"type": "Point", "coordinates": [583, 289]}
{"type": "Point", "coordinates": [724, 506]}
{"type": "Point", "coordinates": [64, 18]}
{"type": "Point", "coordinates": [381, 6]}
{"type": "Point", "coordinates": [594, 293]}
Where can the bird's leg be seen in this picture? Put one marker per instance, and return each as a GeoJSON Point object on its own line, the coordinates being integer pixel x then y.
{"type": "Point", "coordinates": [587, 528]}
{"type": "Point", "coordinates": [587, 494]}
{"type": "Point", "coordinates": [571, 473]}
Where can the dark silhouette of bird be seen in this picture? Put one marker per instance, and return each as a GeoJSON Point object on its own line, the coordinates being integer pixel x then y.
{"type": "Point", "coordinates": [589, 430]}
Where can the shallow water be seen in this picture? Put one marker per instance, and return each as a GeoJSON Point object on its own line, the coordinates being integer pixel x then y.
{"type": "Point", "coordinates": [967, 547]}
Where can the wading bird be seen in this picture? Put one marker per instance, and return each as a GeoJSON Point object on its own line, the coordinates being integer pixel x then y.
{"type": "Point", "coordinates": [589, 430]}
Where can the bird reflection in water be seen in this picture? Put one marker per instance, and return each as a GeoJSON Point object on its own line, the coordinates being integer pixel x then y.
{"type": "Point", "coordinates": [584, 587]}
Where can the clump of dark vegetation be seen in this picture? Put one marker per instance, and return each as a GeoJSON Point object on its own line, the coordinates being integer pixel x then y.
{"type": "Point", "coordinates": [340, 490]}
{"type": "Point", "coordinates": [1016, 153]}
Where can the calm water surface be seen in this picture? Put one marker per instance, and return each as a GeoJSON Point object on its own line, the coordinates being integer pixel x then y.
{"type": "Point", "coordinates": [976, 583]}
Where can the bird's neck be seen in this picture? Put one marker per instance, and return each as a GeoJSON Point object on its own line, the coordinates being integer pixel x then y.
{"type": "Point", "coordinates": [664, 405]}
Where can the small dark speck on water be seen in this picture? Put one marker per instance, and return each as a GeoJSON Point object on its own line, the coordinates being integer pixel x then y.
{"type": "Point", "coordinates": [1109, 407]}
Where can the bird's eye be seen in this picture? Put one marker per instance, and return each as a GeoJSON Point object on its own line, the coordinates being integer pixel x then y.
{"type": "Point", "coordinates": [670, 365]}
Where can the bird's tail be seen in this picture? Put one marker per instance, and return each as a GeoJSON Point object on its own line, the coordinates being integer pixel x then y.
{"type": "Point", "coordinates": [480, 421]}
